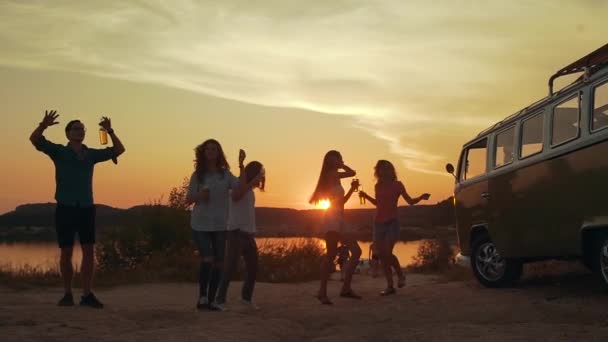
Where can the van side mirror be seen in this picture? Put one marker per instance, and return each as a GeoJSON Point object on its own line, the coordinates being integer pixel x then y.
{"type": "Point", "coordinates": [450, 169]}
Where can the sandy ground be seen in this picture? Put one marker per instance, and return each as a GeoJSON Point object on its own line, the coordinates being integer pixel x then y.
{"type": "Point", "coordinates": [570, 308]}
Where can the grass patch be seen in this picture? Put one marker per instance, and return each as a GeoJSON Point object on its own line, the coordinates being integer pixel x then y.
{"type": "Point", "coordinates": [433, 256]}
{"type": "Point", "coordinates": [28, 277]}
{"type": "Point", "coordinates": [289, 262]}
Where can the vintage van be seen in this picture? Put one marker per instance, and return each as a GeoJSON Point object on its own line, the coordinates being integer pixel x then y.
{"type": "Point", "coordinates": [534, 186]}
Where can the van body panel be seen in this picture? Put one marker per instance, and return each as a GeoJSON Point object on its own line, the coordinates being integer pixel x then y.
{"type": "Point", "coordinates": [545, 205]}
{"type": "Point", "coordinates": [536, 207]}
{"type": "Point", "coordinates": [471, 210]}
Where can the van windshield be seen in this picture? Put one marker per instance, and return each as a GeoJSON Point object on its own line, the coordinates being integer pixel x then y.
{"type": "Point", "coordinates": [474, 163]}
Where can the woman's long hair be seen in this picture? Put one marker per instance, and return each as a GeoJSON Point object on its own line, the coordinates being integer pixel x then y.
{"type": "Point", "coordinates": [324, 182]}
{"type": "Point", "coordinates": [252, 170]}
{"type": "Point", "coordinates": [200, 164]}
{"type": "Point", "coordinates": [387, 164]}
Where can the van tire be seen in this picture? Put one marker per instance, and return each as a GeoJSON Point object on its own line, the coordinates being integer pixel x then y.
{"type": "Point", "coordinates": [599, 257]}
{"type": "Point", "coordinates": [489, 268]}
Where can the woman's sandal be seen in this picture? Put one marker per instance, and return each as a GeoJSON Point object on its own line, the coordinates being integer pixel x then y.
{"type": "Point", "coordinates": [388, 291]}
{"type": "Point", "coordinates": [324, 300]}
{"type": "Point", "coordinates": [401, 282]}
{"type": "Point", "coordinates": [349, 294]}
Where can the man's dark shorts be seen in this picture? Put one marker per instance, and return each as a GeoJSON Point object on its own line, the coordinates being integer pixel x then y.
{"type": "Point", "coordinates": [70, 220]}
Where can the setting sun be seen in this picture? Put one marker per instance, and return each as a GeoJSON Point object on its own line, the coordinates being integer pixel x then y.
{"type": "Point", "coordinates": [324, 204]}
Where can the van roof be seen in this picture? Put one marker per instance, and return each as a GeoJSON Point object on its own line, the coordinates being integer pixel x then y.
{"type": "Point", "coordinates": [589, 64]}
{"type": "Point", "coordinates": [592, 61]}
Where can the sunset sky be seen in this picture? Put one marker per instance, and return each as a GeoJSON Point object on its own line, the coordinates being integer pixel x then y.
{"type": "Point", "coordinates": [407, 81]}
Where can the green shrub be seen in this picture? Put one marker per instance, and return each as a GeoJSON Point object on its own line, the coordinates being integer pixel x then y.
{"type": "Point", "coordinates": [433, 256]}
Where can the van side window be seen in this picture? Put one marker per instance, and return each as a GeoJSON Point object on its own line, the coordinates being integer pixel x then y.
{"type": "Point", "coordinates": [565, 121]}
{"type": "Point", "coordinates": [600, 107]}
{"type": "Point", "coordinates": [531, 136]}
{"type": "Point", "coordinates": [474, 163]}
{"type": "Point", "coordinates": [503, 151]}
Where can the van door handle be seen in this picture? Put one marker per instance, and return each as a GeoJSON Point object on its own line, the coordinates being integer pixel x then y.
{"type": "Point", "coordinates": [485, 195]}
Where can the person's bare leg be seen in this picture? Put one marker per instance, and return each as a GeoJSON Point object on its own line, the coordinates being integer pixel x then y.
{"type": "Point", "coordinates": [394, 261]}
{"type": "Point", "coordinates": [355, 252]}
{"type": "Point", "coordinates": [374, 268]}
{"type": "Point", "coordinates": [397, 267]}
{"type": "Point", "coordinates": [324, 267]}
{"type": "Point", "coordinates": [66, 268]}
{"type": "Point", "coordinates": [386, 262]}
{"type": "Point", "coordinates": [331, 242]}
{"type": "Point", "coordinates": [87, 267]}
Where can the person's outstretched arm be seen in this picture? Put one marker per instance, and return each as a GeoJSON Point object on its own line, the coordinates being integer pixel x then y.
{"type": "Point", "coordinates": [352, 189]}
{"type": "Point", "coordinates": [413, 201]}
{"type": "Point", "coordinates": [367, 197]}
{"type": "Point", "coordinates": [50, 119]}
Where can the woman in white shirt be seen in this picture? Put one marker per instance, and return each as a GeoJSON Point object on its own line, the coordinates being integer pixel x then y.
{"type": "Point", "coordinates": [209, 191]}
{"type": "Point", "coordinates": [240, 238]}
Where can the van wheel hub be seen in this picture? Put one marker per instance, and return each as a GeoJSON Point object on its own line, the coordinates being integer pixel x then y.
{"type": "Point", "coordinates": [604, 260]}
{"type": "Point", "coordinates": [491, 265]}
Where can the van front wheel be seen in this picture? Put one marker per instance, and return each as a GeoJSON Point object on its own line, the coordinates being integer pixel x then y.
{"type": "Point", "coordinates": [489, 267]}
{"type": "Point", "coordinates": [601, 257]}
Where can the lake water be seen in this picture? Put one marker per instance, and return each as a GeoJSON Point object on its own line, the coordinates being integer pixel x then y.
{"type": "Point", "coordinates": [45, 256]}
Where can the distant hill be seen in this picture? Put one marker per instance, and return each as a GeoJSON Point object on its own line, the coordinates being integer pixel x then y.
{"type": "Point", "coordinates": [270, 221]}
{"type": "Point", "coordinates": [42, 215]}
